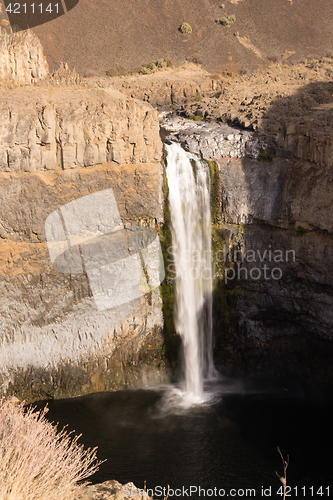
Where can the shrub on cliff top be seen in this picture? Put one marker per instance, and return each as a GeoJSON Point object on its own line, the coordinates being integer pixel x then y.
{"type": "Point", "coordinates": [186, 28]}
{"type": "Point", "coordinates": [229, 74]}
{"type": "Point", "coordinates": [118, 71]}
{"type": "Point", "coordinates": [152, 67]}
{"type": "Point", "coordinates": [36, 462]}
{"type": "Point", "coordinates": [226, 21]}
{"type": "Point", "coordinates": [161, 63]}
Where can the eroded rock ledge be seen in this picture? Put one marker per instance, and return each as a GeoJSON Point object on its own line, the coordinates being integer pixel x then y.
{"type": "Point", "coordinates": [214, 141]}
{"type": "Point", "coordinates": [112, 490]}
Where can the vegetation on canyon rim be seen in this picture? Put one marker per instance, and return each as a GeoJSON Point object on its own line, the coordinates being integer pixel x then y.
{"type": "Point", "coordinates": [36, 461]}
{"type": "Point", "coordinates": [226, 21]}
{"type": "Point", "coordinates": [145, 69]}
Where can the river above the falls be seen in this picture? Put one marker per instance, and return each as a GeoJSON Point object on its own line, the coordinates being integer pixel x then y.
{"type": "Point", "coordinates": [228, 442]}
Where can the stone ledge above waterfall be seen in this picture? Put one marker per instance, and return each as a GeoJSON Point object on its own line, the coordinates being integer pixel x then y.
{"type": "Point", "coordinates": [218, 140]}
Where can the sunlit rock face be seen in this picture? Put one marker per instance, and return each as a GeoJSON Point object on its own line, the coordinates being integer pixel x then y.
{"type": "Point", "coordinates": [21, 57]}
{"type": "Point", "coordinates": [43, 129]}
{"type": "Point", "coordinates": [59, 145]}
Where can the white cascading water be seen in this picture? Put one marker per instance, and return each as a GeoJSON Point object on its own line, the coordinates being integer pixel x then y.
{"type": "Point", "coordinates": [189, 201]}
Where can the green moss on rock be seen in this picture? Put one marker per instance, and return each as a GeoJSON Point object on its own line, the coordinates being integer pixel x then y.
{"type": "Point", "coordinates": [172, 341]}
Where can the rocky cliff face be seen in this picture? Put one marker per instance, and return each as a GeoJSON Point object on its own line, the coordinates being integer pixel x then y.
{"type": "Point", "coordinates": [45, 129]}
{"type": "Point", "coordinates": [273, 254]}
{"type": "Point", "coordinates": [276, 268]}
{"type": "Point", "coordinates": [58, 145]}
{"type": "Point", "coordinates": [21, 57]}
{"type": "Point", "coordinates": [273, 219]}
{"type": "Point", "coordinates": [290, 105]}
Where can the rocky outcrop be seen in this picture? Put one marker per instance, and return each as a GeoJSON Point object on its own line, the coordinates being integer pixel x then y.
{"type": "Point", "coordinates": [169, 88]}
{"type": "Point", "coordinates": [290, 106]}
{"type": "Point", "coordinates": [58, 145]}
{"type": "Point", "coordinates": [21, 57]}
{"type": "Point", "coordinates": [112, 490]}
{"type": "Point", "coordinates": [214, 141]}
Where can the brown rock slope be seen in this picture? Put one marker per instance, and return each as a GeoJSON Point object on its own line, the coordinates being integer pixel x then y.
{"type": "Point", "coordinates": [99, 35]}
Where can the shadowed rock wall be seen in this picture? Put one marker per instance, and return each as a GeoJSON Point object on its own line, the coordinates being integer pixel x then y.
{"type": "Point", "coordinates": [274, 282]}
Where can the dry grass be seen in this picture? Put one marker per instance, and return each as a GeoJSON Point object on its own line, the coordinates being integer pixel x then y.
{"type": "Point", "coordinates": [36, 461]}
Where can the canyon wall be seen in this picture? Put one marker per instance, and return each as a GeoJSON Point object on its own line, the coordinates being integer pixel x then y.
{"type": "Point", "coordinates": [273, 253]}
{"type": "Point", "coordinates": [58, 144]}
{"type": "Point", "coordinates": [274, 277]}
{"type": "Point", "coordinates": [61, 141]}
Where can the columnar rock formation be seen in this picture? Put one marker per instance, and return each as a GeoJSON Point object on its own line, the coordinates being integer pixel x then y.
{"type": "Point", "coordinates": [45, 129]}
{"type": "Point", "coordinates": [21, 57]}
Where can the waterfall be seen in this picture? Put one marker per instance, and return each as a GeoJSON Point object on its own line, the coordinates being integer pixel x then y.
{"type": "Point", "coordinates": [191, 257]}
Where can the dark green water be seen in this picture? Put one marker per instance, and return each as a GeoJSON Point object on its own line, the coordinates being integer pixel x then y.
{"type": "Point", "coordinates": [230, 442]}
